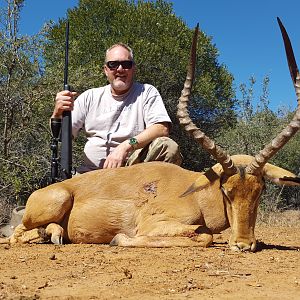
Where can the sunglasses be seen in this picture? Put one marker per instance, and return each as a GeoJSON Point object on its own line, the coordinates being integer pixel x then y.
{"type": "Point", "coordinates": [114, 64]}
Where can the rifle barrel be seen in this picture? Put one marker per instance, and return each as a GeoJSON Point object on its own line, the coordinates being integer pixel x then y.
{"type": "Point", "coordinates": [66, 130]}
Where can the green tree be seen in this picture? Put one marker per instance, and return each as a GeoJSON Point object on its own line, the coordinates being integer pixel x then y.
{"type": "Point", "coordinates": [256, 126]}
{"type": "Point", "coordinates": [161, 43]}
{"type": "Point", "coordinates": [20, 157]}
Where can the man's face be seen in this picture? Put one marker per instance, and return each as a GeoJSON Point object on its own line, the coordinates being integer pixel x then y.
{"type": "Point", "coordinates": [120, 78]}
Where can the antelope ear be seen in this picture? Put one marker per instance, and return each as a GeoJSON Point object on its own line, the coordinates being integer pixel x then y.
{"type": "Point", "coordinates": [204, 180]}
{"type": "Point", "coordinates": [280, 176]}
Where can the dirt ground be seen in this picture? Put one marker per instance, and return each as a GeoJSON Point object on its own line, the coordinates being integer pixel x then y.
{"type": "Point", "coordinates": [44, 271]}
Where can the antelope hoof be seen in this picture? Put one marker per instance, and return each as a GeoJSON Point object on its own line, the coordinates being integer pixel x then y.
{"type": "Point", "coordinates": [57, 239]}
{"type": "Point", "coordinates": [118, 239]}
{"type": "Point", "coordinates": [56, 232]}
{"type": "Point", "coordinates": [243, 247]}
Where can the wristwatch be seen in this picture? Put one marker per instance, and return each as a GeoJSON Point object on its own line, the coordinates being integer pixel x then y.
{"type": "Point", "coordinates": [133, 142]}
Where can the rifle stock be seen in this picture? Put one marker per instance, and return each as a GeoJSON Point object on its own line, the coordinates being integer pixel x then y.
{"type": "Point", "coordinates": [55, 129]}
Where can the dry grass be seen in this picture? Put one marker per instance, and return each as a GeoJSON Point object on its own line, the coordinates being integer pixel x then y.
{"type": "Point", "coordinates": [280, 218]}
{"type": "Point", "coordinates": [5, 210]}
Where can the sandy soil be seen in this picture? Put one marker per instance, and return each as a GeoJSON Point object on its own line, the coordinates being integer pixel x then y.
{"type": "Point", "coordinates": [101, 272]}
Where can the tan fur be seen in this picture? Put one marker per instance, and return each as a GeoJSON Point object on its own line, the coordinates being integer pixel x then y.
{"type": "Point", "coordinates": [143, 206]}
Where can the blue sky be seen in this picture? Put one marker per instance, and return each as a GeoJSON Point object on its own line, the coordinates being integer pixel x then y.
{"type": "Point", "coordinates": [245, 32]}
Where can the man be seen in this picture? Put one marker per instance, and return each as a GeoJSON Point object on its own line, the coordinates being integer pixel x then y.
{"type": "Point", "coordinates": [125, 122]}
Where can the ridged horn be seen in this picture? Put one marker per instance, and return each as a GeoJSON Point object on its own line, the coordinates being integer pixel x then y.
{"type": "Point", "coordinates": [277, 143]}
{"type": "Point", "coordinates": [290, 130]}
{"type": "Point", "coordinates": [184, 119]}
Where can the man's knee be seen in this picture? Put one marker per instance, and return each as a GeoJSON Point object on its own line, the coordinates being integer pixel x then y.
{"type": "Point", "coordinates": [164, 149]}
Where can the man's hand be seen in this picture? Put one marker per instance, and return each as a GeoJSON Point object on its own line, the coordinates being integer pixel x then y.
{"type": "Point", "coordinates": [117, 158]}
{"type": "Point", "coordinates": [64, 101]}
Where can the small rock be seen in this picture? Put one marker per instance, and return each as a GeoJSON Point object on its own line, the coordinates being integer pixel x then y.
{"type": "Point", "coordinates": [52, 257]}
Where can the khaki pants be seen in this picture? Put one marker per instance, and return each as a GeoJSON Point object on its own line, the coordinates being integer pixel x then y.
{"type": "Point", "coordinates": [160, 149]}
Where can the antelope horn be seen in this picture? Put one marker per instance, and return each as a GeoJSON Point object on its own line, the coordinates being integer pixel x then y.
{"type": "Point", "coordinates": [290, 130]}
{"type": "Point", "coordinates": [184, 119]}
{"type": "Point", "coordinates": [277, 143]}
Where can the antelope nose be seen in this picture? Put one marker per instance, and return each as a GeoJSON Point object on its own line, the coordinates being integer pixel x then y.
{"type": "Point", "coordinates": [242, 246]}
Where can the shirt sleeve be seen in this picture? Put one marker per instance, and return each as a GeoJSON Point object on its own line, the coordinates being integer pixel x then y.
{"type": "Point", "coordinates": [78, 114]}
{"type": "Point", "coordinates": [154, 108]}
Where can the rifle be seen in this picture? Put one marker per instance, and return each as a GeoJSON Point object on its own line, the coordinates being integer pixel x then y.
{"type": "Point", "coordinates": [55, 129]}
{"type": "Point", "coordinates": [62, 127]}
{"type": "Point", "coordinates": [66, 129]}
